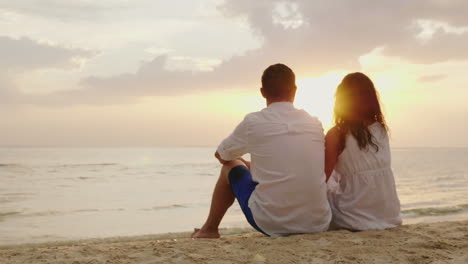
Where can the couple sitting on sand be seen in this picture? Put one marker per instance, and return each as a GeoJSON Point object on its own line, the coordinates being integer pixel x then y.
{"type": "Point", "coordinates": [284, 190]}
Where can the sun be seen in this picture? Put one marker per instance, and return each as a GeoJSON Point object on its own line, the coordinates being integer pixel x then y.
{"type": "Point", "coordinates": [316, 96]}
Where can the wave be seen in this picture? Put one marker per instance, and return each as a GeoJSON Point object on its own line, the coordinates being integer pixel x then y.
{"type": "Point", "coordinates": [73, 165]}
{"type": "Point", "coordinates": [435, 211]}
{"type": "Point", "coordinates": [211, 164]}
{"type": "Point", "coordinates": [89, 165]}
{"type": "Point", "coordinates": [8, 214]}
{"type": "Point", "coordinates": [85, 178]}
{"type": "Point", "coordinates": [163, 207]}
{"type": "Point", "coordinates": [10, 165]}
{"type": "Point", "coordinates": [14, 197]}
{"type": "Point", "coordinates": [56, 212]}
{"type": "Point", "coordinates": [16, 194]}
{"type": "Point", "coordinates": [78, 211]}
{"type": "Point", "coordinates": [4, 215]}
{"type": "Point", "coordinates": [42, 213]}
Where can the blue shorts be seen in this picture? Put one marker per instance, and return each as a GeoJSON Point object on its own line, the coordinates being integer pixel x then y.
{"type": "Point", "coordinates": [242, 185]}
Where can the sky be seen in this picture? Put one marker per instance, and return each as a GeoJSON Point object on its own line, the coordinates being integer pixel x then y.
{"type": "Point", "coordinates": [145, 73]}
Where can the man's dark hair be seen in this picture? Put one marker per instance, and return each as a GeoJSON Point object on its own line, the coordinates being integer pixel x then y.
{"type": "Point", "coordinates": [278, 81]}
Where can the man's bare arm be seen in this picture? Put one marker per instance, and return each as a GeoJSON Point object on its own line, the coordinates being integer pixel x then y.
{"type": "Point", "coordinates": [217, 156]}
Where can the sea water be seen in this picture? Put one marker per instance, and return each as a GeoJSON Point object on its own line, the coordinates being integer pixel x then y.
{"type": "Point", "coordinates": [50, 194]}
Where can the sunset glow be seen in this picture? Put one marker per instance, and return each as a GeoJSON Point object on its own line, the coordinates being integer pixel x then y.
{"type": "Point", "coordinates": [316, 96]}
{"type": "Point", "coordinates": [184, 73]}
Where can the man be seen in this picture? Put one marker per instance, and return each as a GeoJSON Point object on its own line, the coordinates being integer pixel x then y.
{"type": "Point", "coordinates": [283, 190]}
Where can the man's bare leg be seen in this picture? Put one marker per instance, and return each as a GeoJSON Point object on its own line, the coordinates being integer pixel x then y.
{"type": "Point", "coordinates": [222, 199]}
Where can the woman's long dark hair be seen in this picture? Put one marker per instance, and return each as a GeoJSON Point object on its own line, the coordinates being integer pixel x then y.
{"type": "Point", "coordinates": [356, 107]}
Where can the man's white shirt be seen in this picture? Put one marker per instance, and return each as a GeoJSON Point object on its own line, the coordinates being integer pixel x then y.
{"type": "Point", "coordinates": [288, 158]}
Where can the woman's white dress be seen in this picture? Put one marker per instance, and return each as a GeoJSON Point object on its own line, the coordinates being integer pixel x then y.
{"type": "Point", "coordinates": [361, 190]}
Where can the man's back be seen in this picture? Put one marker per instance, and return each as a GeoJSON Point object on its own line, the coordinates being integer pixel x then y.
{"type": "Point", "coordinates": [287, 151]}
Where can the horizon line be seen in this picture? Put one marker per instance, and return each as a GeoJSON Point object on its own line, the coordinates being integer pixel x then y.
{"type": "Point", "coordinates": [198, 146]}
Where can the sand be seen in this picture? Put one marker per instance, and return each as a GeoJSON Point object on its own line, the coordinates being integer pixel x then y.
{"type": "Point", "coordinates": [445, 242]}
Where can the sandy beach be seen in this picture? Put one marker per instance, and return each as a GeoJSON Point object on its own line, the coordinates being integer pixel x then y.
{"type": "Point", "coordinates": [444, 242]}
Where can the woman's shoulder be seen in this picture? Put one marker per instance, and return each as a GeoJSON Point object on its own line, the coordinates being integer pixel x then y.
{"type": "Point", "coordinates": [333, 133]}
{"type": "Point", "coordinates": [333, 136]}
{"type": "Point", "coordinates": [378, 130]}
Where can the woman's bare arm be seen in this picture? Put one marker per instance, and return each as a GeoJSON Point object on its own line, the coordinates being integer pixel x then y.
{"type": "Point", "coordinates": [332, 151]}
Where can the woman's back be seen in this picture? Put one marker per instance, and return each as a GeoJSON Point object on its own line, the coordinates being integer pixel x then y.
{"type": "Point", "coordinates": [353, 159]}
{"type": "Point", "coordinates": [366, 197]}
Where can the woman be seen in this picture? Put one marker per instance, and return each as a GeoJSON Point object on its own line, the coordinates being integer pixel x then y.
{"type": "Point", "coordinates": [362, 192]}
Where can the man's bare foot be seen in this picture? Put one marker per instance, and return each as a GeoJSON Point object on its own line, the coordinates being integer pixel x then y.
{"type": "Point", "coordinates": [198, 233]}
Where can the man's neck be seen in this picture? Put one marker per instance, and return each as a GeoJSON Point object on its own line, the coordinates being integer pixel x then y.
{"type": "Point", "coordinates": [271, 101]}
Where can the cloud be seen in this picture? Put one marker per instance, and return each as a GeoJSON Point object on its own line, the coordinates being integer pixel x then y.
{"type": "Point", "coordinates": [23, 55]}
{"type": "Point", "coordinates": [26, 54]}
{"type": "Point", "coordinates": [90, 10]}
{"type": "Point", "coordinates": [432, 78]}
{"type": "Point", "coordinates": [9, 94]}
{"type": "Point", "coordinates": [153, 79]}
{"type": "Point", "coordinates": [313, 37]}
{"type": "Point", "coordinates": [62, 10]}
{"type": "Point", "coordinates": [336, 31]}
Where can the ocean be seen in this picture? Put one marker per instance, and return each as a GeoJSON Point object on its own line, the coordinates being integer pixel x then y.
{"type": "Point", "coordinates": [55, 194]}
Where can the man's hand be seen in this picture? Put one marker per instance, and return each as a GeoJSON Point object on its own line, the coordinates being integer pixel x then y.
{"type": "Point", "coordinates": [217, 156]}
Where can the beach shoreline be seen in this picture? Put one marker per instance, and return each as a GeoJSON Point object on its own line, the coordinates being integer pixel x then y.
{"type": "Point", "coordinates": [169, 236]}
{"type": "Point", "coordinates": [441, 242]}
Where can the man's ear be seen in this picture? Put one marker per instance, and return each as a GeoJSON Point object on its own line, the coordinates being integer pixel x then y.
{"type": "Point", "coordinates": [293, 94]}
{"type": "Point", "coordinates": [263, 92]}
{"type": "Point", "coordinates": [295, 89]}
